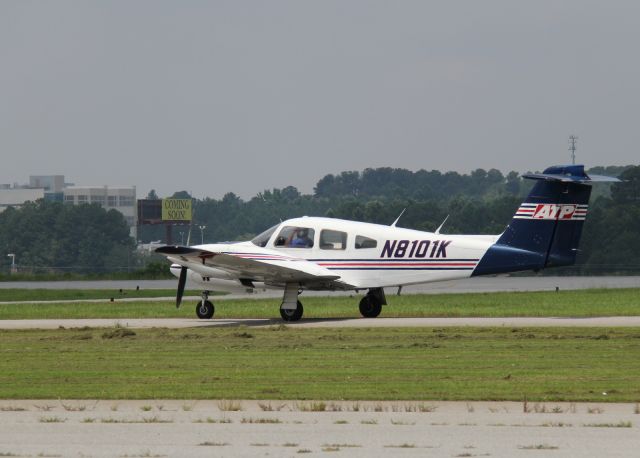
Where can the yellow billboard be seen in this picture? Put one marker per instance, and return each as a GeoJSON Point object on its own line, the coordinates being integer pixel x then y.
{"type": "Point", "coordinates": [176, 210]}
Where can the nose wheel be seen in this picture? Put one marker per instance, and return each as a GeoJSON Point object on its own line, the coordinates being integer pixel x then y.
{"type": "Point", "coordinates": [205, 308]}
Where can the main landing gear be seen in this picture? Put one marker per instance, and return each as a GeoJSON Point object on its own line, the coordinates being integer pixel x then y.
{"type": "Point", "coordinates": [291, 308]}
{"type": "Point", "coordinates": [371, 303]}
{"type": "Point", "coordinates": [295, 314]}
{"type": "Point", "coordinates": [205, 308]}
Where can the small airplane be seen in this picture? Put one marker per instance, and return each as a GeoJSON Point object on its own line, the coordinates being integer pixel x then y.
{"type": "Point", "coordinates": [312, 253]}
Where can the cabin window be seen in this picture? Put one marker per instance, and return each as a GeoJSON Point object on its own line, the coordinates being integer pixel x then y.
{"type": "Point", "coordinates": [333, 240]}
{"type": "Point", "coordinates": [295, 237]}
{"type": "Point", "coordinates": [365, 242]}
{"type": "Point", "coordinates": [263, 238]}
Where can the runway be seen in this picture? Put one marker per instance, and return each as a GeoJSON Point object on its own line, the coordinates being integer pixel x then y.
{"type": "Point", "coordinates": [470, 285]}
{"type": "Point", "coordinates": [288, 428]}
{"type": "Point", "coordinates": [179, 323]}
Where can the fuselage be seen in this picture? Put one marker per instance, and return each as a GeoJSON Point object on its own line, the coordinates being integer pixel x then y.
{"type": "Point", "coordinates": [364, 255]}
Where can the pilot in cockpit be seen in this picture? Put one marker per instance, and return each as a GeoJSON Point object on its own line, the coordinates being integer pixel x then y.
{"type": "Point", "coordinates": [301, 239]}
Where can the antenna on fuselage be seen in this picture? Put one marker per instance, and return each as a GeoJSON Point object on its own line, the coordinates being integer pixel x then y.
{"type": "Point", "coordinates": [440, 227]}
{"type": "Point", "coordinates": [398, 218]}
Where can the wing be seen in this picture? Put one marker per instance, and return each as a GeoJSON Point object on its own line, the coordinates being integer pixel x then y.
{"type": "Point", "coordinates": [254, 264]}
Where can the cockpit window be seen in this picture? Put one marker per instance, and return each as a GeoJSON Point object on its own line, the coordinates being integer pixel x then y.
{"type": "Point", "coordinates": [295, 237]}
{"type": "Point", "coordinates": [365, 242]}
{"type": "Point", "coordinates": [333, 240]}
{"type": "Point", "coordinates": [262, 239]}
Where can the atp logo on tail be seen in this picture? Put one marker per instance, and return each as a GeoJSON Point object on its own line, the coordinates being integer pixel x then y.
{"type": "Point", "coordinates": [555, 212]}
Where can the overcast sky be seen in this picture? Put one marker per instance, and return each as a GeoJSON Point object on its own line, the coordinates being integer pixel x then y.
{"type": "Point", "coordinates": [218, 96]}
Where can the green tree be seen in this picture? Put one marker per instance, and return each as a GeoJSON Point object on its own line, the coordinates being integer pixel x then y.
{"type": "Point", "coordinates": [628, 190]}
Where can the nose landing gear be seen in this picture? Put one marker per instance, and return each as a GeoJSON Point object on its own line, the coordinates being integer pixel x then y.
{"type": "Point", "coordinates": [205, 308]}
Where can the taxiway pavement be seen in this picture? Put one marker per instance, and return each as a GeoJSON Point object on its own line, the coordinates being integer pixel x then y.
{"type": "Point", "coordinates": [177, 323]}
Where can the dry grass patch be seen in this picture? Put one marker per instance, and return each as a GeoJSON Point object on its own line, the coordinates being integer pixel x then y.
{"type": "Point", "coordinates": [538, 447]}
{"type": "Point", "coordinates": [72, 408]}
{"type": "Point", "coordinates": [228, 405]}
{"type": "Point", "coordinates": [268, 407]}
{"type": "Point", "coordinates": [620, 424]}
{"type": "Point", "coordinates": [12, 409]}
{"type": "Point", "coordinates": [52, 420]}
{"type": "Point", "coordinates": [44, 407]}
{"type": "Point", "coordinates": [261, 420]}
{"type": "Point", "coordinates": [154, 419]}
{"type": "Point", "coordinates": [319, 406]}
{"type": "Point", "coordinates": [402, 423]}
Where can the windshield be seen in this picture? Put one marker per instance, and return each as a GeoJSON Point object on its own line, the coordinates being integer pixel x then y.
{"type": "Point", "coordinates": [262, 239]}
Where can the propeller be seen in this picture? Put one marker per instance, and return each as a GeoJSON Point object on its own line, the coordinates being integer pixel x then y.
{"type": "Point", "coordinates": [181, 282]}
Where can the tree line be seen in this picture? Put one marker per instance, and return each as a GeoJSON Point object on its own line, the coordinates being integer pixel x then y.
{"type": "Point", "coordinates": [87, 238]}
{"type": "Point", "coordinates": [63, 237]}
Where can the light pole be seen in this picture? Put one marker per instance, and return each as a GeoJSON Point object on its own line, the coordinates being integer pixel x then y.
{"type": "Point", "coordinates": [182, 238]}
{"type": "Point", "coordinates": [13, 262]}
{"type": "Point", "coordinates": [202, 228]}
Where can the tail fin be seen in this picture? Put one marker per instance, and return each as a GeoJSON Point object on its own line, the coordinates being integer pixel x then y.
{"type": "Point", "coordinates": [546, 229]}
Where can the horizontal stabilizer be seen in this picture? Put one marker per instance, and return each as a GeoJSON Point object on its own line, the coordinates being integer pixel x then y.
{"type": "Point", "coordinates": [569, 174]}
{"type": "Point", "coordinates": [603, 179]}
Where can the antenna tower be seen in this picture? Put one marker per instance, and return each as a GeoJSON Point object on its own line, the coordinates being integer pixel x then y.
{"type": "Point", "coordinates": [572, 148]}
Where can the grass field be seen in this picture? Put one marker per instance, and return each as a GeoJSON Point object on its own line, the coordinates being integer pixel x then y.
{"type": "Point", "coordinates": [16, 294]}
{"type": "Point", "coordinates": [580, 303]}
{"type": "Point", "coordinates": [549, 364]}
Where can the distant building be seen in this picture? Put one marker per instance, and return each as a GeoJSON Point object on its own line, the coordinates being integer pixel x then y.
{"type": "Point", "coordinates": [50, 183]}
{"type": "Point", "coordinates": [53, 186]}
{"type": "Point", "coordinates": [120, 198]}
{"type": "Point", "coordinates": [16, 197]}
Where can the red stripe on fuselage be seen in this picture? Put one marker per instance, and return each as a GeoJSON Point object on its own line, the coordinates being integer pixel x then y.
{"type": "Point", "coordinates": [397, 264]}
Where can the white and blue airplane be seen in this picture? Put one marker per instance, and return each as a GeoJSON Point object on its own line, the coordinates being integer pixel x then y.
{"type": "Point", "coordinates": [312, 253]}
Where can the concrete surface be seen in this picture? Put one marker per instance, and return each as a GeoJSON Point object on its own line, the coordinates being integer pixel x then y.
{"type": "Point", "coordinates": [176, 323]}
{"type": "Point", "coordinates": [403, 428]}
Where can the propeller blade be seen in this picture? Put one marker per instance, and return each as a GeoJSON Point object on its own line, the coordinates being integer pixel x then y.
{"type": "Point", "coordinates": [181, 282]}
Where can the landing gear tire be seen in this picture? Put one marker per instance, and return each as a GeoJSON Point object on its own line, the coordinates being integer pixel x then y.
{"type": "Point", "coordinates": [370, 306]}
{"type": "Point", "coordinates": [205, 310]}
{"type": "Point", "coordinates": [292, 314]}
